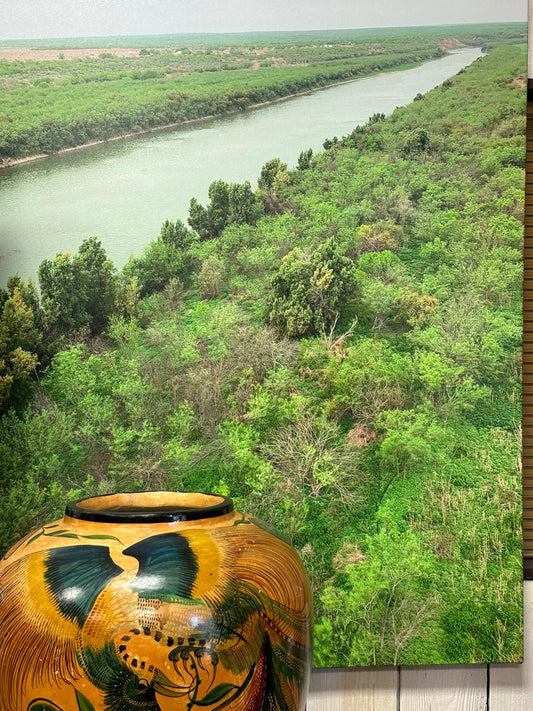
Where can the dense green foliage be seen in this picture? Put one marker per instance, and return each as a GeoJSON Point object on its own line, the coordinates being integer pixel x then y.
{"type": "Point", "coordinates": [339, 351]}
{"type": "Point", "coordinates": [51, 105]}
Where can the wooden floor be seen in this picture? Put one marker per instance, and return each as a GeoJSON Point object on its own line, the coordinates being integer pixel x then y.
{"type": "Point", "coordinates": [495, 687]}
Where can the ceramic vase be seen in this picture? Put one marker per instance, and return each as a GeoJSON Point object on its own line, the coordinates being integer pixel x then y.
{"type": "Point", "coordinates": [154, 602]}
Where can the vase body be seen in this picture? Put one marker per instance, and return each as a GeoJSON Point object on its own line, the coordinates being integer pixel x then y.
{"type": "Point", "coordinates": [154, 602]}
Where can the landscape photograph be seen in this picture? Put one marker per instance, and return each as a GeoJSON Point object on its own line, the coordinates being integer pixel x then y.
{"type": "Point", "coordinates": [275, 253]}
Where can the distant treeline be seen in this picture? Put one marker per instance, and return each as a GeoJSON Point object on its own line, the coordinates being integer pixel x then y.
{"type": "Point", "coordinates": [469, 34]}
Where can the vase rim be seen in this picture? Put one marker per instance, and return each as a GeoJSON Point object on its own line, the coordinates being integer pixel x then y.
{"type": "Point", "coordinates": [150, 507]}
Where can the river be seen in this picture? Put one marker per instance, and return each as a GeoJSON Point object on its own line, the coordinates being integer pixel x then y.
{"type": "Point", "coordinates": [123, 191]}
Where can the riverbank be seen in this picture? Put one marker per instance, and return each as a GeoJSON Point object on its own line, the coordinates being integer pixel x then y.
{"type": "Point", "coordinates": [10, 163]}
{"type": "Point", "coordinates": [13, 162]}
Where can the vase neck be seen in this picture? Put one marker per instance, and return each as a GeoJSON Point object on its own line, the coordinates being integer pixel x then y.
{"type": "Point", "coordinates": [150, 507]}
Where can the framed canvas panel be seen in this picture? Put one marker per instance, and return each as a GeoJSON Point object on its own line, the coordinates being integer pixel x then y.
{"type": "Point", "coordinates": [527, 471]}
{"type": "Point", "coordinates": [275, 253]}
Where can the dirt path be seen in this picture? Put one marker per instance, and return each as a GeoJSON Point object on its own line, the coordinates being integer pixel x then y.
{"type": "Point", "coordinates": [23, 54]}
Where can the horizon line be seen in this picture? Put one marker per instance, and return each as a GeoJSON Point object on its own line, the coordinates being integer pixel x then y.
{"type": "Point", "coordinates": [258, 32]}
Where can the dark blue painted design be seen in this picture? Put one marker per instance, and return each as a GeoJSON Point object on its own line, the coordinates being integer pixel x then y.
{"type": "Point", "coordinates": [75, 576]}
{"type": "Point", "coordinates": [167, 566]}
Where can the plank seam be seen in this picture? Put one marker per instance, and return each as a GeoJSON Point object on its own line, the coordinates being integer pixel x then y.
{"type": "Point", "coordinates": [398, 691]}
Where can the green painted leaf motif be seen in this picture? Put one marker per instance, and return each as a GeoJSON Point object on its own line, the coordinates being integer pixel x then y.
{"type": "Point", "coordinates": [237, 523]}
{"type": "Point", "coordinates": [216, 694]}
{"type": "Point", "coordinates": [102, 537]}
{"type": "Point", "coordinates": [62, 532]}
{"type": "Point", "coordinates": [43, 705]}
{"type": "Point", "coordinates": [83, 702]}
{"type": "Point", "coordinates": [34, 538]}
{"type": "Point", "coordinates": [66, 535]}
{"type": "Point", "coordinates": [120, 686]}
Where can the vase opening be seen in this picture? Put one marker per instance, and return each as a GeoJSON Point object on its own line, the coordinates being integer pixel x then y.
{"type": "Point", "coordinates": [150, 507]}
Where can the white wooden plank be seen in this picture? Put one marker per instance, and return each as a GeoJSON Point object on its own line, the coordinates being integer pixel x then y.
{"type": "Point", "coordinates": [446, 688]}
{"type": "Point", "coordinates": [353, 690]}
{"type": "Point", "coordinates": [511, 686]}
{"type": "Point", "coordinates": [449, 688]}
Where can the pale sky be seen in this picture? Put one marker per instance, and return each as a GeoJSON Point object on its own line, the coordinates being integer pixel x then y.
{"type": "Point", "coordinates": [22, 19]}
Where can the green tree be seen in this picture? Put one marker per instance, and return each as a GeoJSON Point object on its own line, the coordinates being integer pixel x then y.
{"type": "Point", "coordinates": [20, 341]}
{"type": "Point", "coordinates": [274, 175]}
{"type": "Point", "coordinates": [176, 235]}
{"type": "Point", "coordinates": [210, 278]}
{"type": "Point", "coordinates": [219, 208]}
{"type": "Point", "coordinates": [78, 291]}
{"type": "Point", "coordinates": [199, 219]}
{"type": "Point", "coordinates": [304, 159]}
{"type": "Point", "coordinates": [371, 378]}
{"type": "Point", "coordinates": [411, 439]}
{"type": "Point", "coordinates": [166, 258]}
{"type": "Point", "coordinates": [62, 296]}
{"type": "Point", "coordinates": [417, 142]}
{"type": "Point", "coordinates": [244, 207]}
{"type": "Point", "coordinates": [310, 290]}
{"type": "Point", "coordinates": [98, 277]}
{"type": "Point", "coordinates": [231, 203]}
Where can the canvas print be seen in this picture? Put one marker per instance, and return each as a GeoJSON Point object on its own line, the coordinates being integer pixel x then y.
{"type": "Point", "coordinates": [274, 252]}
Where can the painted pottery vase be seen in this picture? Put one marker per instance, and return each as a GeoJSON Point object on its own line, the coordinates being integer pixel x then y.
{"type": "Point", "coordinates": [154, 602]}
